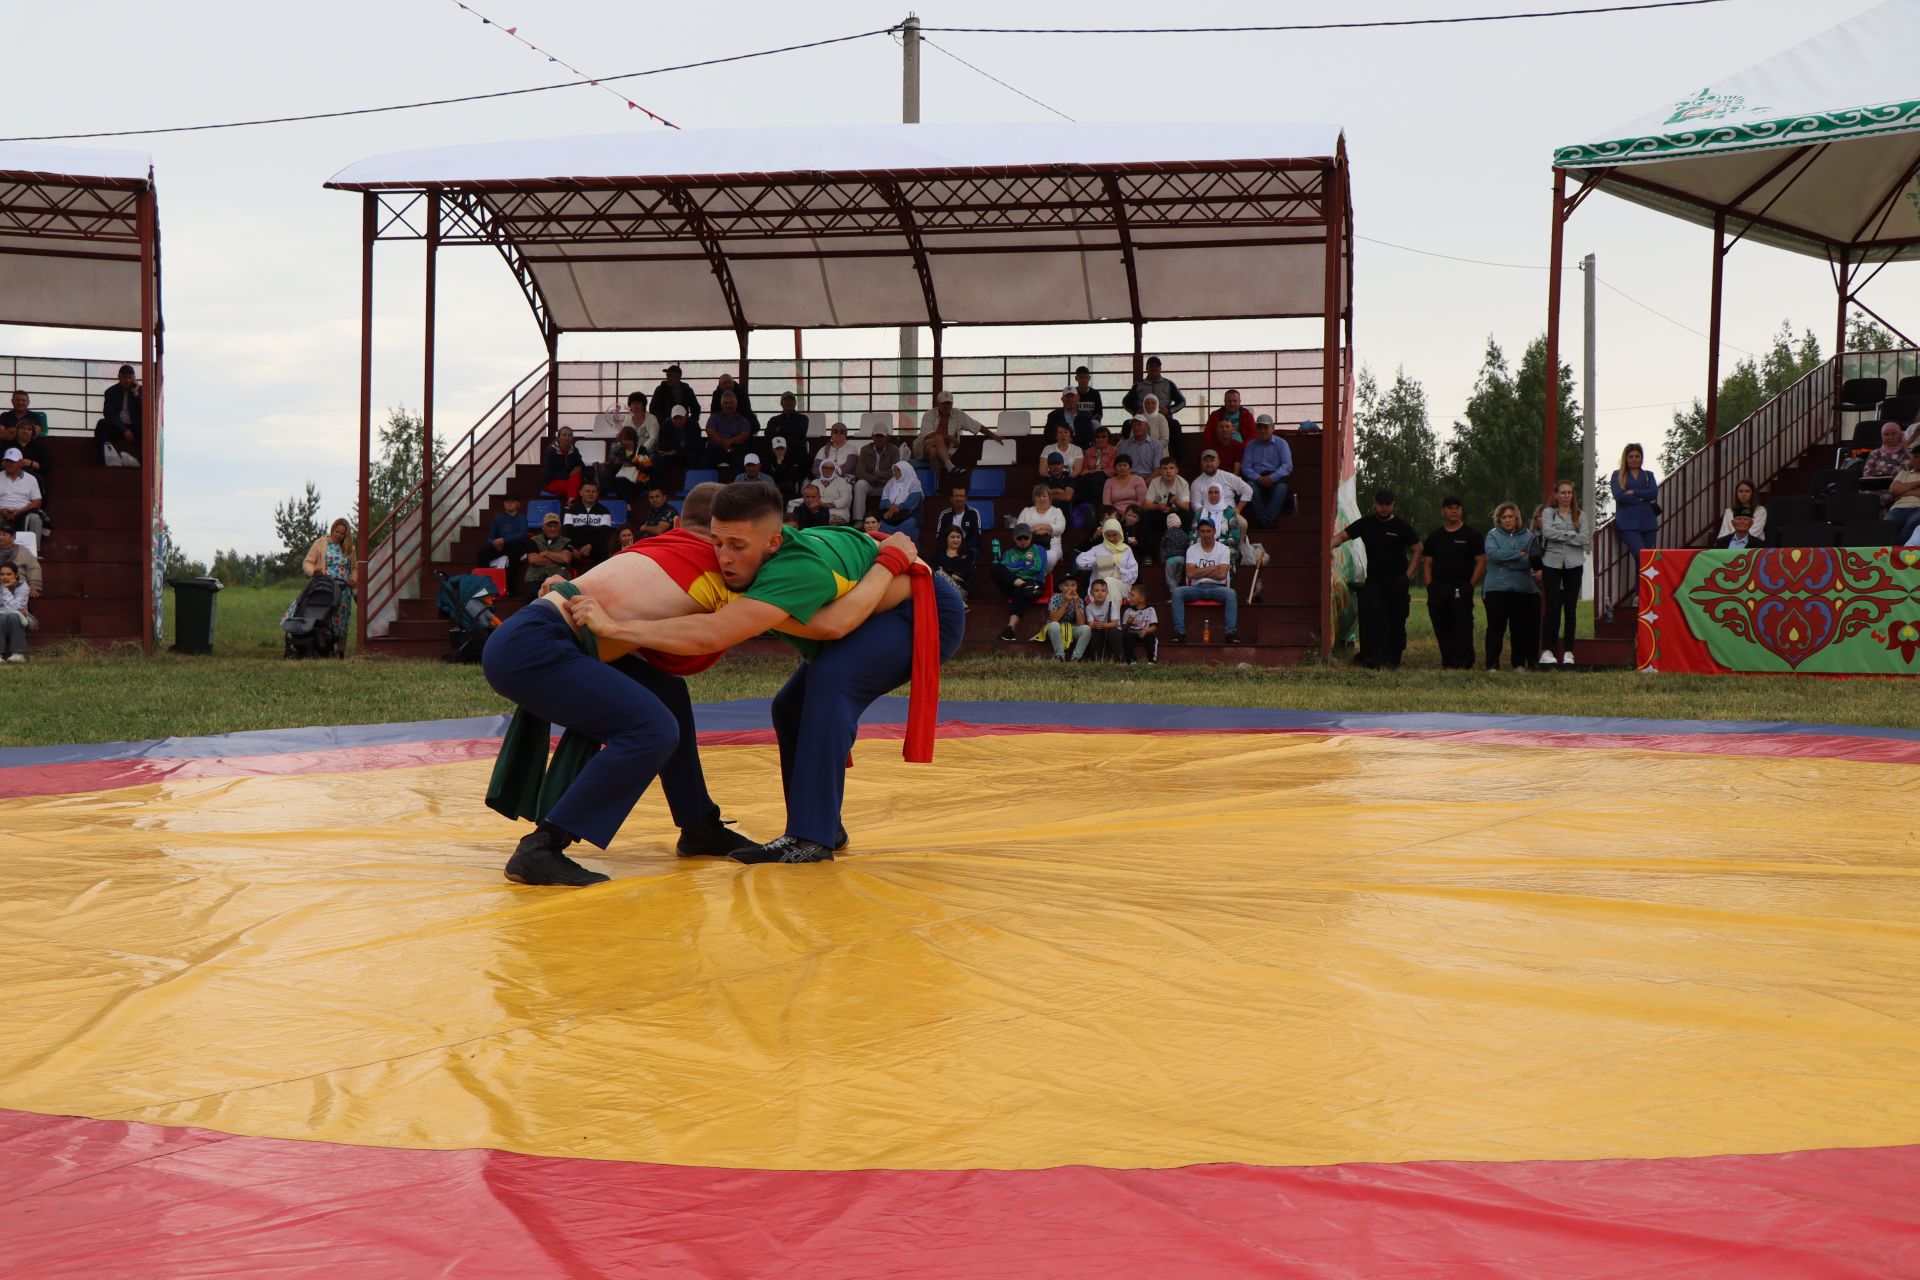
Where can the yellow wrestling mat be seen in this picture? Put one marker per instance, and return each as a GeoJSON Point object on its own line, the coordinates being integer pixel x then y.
{"type": "Point", "coordinates": [1045, 949]}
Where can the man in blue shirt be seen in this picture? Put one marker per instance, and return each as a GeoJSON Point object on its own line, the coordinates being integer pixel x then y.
{"type": "Point", "coordinates": [1266, 464]}
{"type": "Point", "coordinates": [728, 431]}
{"type": "Point", "coordinates": [1142, 448]}
{"type": "Point", "coordinates": [506, 544]}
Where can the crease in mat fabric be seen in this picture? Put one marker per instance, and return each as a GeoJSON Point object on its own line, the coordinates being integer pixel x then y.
{"type": "Point", "coordinates": [1259, 971]}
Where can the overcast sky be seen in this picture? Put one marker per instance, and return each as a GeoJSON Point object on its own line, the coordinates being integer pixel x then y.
{"type": "Point", "coordinates": [1450, 130]}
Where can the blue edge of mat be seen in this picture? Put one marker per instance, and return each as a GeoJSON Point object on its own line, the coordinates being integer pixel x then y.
{"type": "Point", "coordinates": [751, 713]}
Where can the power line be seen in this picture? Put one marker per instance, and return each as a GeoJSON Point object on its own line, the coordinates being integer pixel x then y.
{"type": "Point", "coordinates": [513, 33]}
{"type": "Point", "coordinates": [997, 80]}
{"type": "Point", "coordinates": [1670, 320]}
{"type": "Point", "coordinates": [443, 102]}
{"type": "Point", "coordinates": [1323, 26]}
{"type": "Point", "coordinates": [1478, 262]}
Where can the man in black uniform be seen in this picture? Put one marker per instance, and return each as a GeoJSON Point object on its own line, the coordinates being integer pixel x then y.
{"type": "Point", "coordinates": [1456, 561]}
{"type": "Point", "coordinates": [1393, 557]}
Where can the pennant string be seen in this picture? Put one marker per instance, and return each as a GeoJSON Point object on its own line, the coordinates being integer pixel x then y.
{"type": "Point", "coordinates": [550, 56]}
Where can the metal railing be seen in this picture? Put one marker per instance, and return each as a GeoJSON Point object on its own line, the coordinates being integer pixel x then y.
{"type": "Point", "coordinates": [67, 390]}
{"type": "Point", "coordinates": [1774, 438]}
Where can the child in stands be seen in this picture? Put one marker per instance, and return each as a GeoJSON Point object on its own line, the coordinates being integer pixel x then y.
{"type": "Point", "coordinates": [1139, 627]}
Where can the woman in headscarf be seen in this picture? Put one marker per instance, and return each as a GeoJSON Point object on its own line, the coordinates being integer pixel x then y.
{"type": "Point", "coordinates": [900, 501]}
{"type": "Point", "coordinates": [1111, 559]}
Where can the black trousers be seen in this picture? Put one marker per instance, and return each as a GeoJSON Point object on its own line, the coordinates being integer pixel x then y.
{"type": "Point", "coordinates": [1019, 592]}
{"type": "Point", "coordinates": [1132, 643]}
{"type": "Point", "coordinates": [1383, 621]}
{"type": "Point", "coordinates": [1563, 603]}
{"type": "Point", "coordinates": [1105, 645]}
{"type": "Point", "coordinates": [1514, 613]}
{"type": "Point", "coordinates": [1450, 606]}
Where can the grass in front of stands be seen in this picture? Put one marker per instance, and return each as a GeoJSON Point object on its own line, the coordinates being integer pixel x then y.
{"type": "Point", "coordinates": [71, 695]}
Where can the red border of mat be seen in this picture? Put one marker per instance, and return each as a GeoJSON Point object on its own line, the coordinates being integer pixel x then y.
{"type": "Point", "coordinates": [97, 1198]}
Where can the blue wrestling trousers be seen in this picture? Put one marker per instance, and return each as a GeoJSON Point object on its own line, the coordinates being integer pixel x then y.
{"type": "Point", "coordinates": [641, 716]}
{"type": "Point", "coordinates": [816, 715]}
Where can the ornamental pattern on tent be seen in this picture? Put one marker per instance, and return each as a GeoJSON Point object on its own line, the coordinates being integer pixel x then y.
{"type": "Point", "coordinates": [1823, 126]}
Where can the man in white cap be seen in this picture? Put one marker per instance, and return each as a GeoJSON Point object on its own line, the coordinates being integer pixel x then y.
{"type": "Point", "coordinates": [873, 467]}
{"type": "Point", "coordinates": [671, 449]}
{"type": "Point", "coordinates": [941, 428]}
{"type": "Point", "coordinates": [20, 498]}
{"type": "Point", "coordinates": [788, 468]}
{"type": "Point", "coordinates": [751, 472]}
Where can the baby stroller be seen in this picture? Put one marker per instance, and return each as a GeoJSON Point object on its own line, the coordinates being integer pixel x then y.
{"type": "Point", "coordinates": [467, 600]}
{"type": "Point", "coordinates": [309, 626]}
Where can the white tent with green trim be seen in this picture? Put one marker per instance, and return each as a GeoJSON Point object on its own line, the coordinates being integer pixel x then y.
{"type": "Point", "coordinates": [1817, 147]}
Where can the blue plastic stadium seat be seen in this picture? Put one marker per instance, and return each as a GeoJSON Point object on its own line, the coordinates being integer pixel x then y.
{"type": "Point", "coordinates": [698, 476]}
{"type": "Point", "coordinates": [538, 508]}
{"type": "Point", "coordinates": [927, 480]}
{"type": "Point", "coordinates": [617, 509]}
{"type": "Point", "coordinates": [987, 482]}
{"type": "Point", "coordinates": [986, 513]}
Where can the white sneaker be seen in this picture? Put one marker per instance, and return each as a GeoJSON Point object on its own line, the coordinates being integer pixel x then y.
{"type": "Point", "coordinates": [16, 657]}
{"type": "Point", "coordinates": [1547, 659]}
{"type": "Point", "coordinates": [1566, 659]}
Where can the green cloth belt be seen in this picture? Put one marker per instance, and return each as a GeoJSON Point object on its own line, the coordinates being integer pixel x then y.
{"type": "Point", "coordinates": [524, 784]}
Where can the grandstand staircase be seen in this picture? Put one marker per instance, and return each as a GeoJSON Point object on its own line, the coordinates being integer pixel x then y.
{"type": "Point", "coordinates": [91, 557]}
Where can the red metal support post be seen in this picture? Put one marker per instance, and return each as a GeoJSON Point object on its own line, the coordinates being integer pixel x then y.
{"type": "Point", "coordinates": [1333, 198]}
{"type": "Point", "coordinates": [1551, 445]}
{"type": "Point", "coordinates": [551, 336]}
{"type": "Point", "coordinates": [1713, 325]}
{"type": "Point", "coordinates": [426, 400]}
{"type": "Point", "coordinates": [1843, 287]}
{"type": "Point", "coordinates": [150, 426]}
{"type": "Point", "coordinates": [369, 214]}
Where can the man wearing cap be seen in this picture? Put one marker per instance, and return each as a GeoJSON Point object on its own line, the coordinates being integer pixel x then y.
{"type": "Point", "coordinates": [674, 446]}
{"type": "Point", "coordinates": [1265, 464]}
{"type": "Point", "coordinates": [1393, 557]}
{"type": "Point", "coordinates": [1232, 487]}
{"type": "Point", "coordinates": [1228, 429]}
{"type": "Point", "coordinates": [120, 416]}
{"type": "Point", "coordinates": [1021, 573]}
{"type": "Point", "coordinates": [789, 467]}
{"type": "Point", "coordinates": [548, 554]}
{"type": "Point", "coordinates": [789, 423]}
{"type": "Point", "coordinates": [1074, 415]}
{"type": "Point", "coordinates": [873, 467]}
{"type": "Point", "coordinates": [1455, 561]}
{"type": "Point", "coordinates": [941, 428]}
{"type": "Point", "coordinates": [20, 497]}
{"type": "Point", "coordinates": [752, 472]}
{"type": "Point", "coordinates": [673, 392]}
{"type": "Point", "coordinates": [1171, 402]}
{"type": "Point", "coordinates": [725, 386]}
{"type": "Point", "coordinates": [1090, 403]}
{"type": "Point", "coordinates": [1743, 537]}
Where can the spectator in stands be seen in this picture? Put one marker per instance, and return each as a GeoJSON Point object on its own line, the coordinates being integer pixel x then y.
{"type": "Point", "coordinates": [1062, 486]}
{"type": "Point", "coordinates": [873, 466]}
{"type": "Point", "coordinates": [1228, 430]}
{"type": "Point", "coordinates": [1167, 396]}
{"type": "Point", "coordinates": [1139, 627]}
{"type": "Point", "coordinates": [1636, 504]}
{"type": "Point", "coordinates": [845, 455]}
{"type": "Point", "coordinates": [1111, 558]}
{"type": "Point", "coordinates": [21, 506]}
{"type": "Point", "coordinates": [1888, 461]}
{"type": "Point", "coordinates": [548, 554]}
{"type": "Point", "coordinates": [871, 527]}
{"type": "Point", "coordinates": [11, 552]}
{"type": "Point", "coordinates": [1066, 628]}
{"type": "Point", "coordinates": [1237, 491]}
{"type": "Point", "coordinates": [813, 512]}
{"type": "Point", "coordinates": [1455, 562]}
{"type": "Point", "coordinates": [12, 418]}
{"type": "Point", "coordinates": [16, 615]}
{"type": "Point", "coordinates": [1103, 621]}
{"type": "Point", "coordinates": [1070, 453]}
{"type": "Point", "coordinates": [628, 467]}
{"type": "Point", "coordinates": [958, 515]}
{"type": "Point", "coordinates": [1744, 496]}
{"type": "Point", "coordinates": [1126, 489]}
{"type": "Point", "coordinates": [1156, 421]}
{"type": "Point", "coordinates": [728, 433]}
{"type": "Point", "coordinates": [754, 472]}
{"type": "Point", "coordinates": [1743, 538]}
{"type": "Point", "coordinates": [642, 422]}
{"type": "Point", "coordinates": [1047, 522]}
{"type": "Point", "coordinates": [589, 526]}
{"type": "Point", "coordinates": [1209, 576]}
{"type": "Point", "coordinates": [331, 555]}
{"type": "Point", "coordinates": [565, 469]}
{"type": "Point", "coordinates": [1393, 558]}
{"type": "Point", "coordinates": [835, 492]}
{"type": "Point", "coordinates": [506, 544]}
{"type": "Point", "coordinates": [1141, 448]}
{"type": "Point", "coordinates": [1071, 418]}
{"type": "Point", "coordinates": [674, 392]}
{"type": "Point", "coordinates": [1265, 464]}
{"type": "Point", "coordinates": [900, 499]}
{"type": "Point", "coordinates": [1904, 513]}
{"type": "Point", "coordinates": [624, 538]}
{"type": "Point", "coordinates": [742, 404]}
{"type": "Point", "coordinates": [1561, 568]}
{"type": "Point", "coordinates": [955, 563]}
{"type": "Point", "coordinates": [1090, 404]}
{"type": "Point", "coordinates": [1167, 494]}
{"type": "Point", "coordinates": [658, 516]}
{"type": "Point", "coordinates": [1512, 599]}
{"type": "Point", "coordinates": [789, 422]}
{"type": "Point", "coordinates": [941, 428]}
{"type": "Point", "coordinates": [673, 448]}
{"type": "Point", "coordinates": [789, 468]}
{"type": "Point", "coordinates": [34, 458]}
{"type": "Point", "coordinates": [1173, 551]}
{"type": "Point", "coordinates": [1022, 571]}
{"type": "Point", "coordinates": [1096, 468]}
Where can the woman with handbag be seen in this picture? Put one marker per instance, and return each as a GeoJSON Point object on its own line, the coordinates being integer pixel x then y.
{"type": "Point", "coordinates": [1636, 504]}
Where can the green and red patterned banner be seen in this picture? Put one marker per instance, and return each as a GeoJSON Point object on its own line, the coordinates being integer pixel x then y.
{"type": "Point", "coordinates": [1808, 610]}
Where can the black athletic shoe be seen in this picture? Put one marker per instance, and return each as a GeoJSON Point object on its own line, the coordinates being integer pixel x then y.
{"type": "Point", "coordinates": [538, 861]}
{"type": "Point", "coordinates": [842, 839]}
{"type": "Point", "coordinates": [785, 849]}
{"type": "Point", "coordinates": [1179, 637]}
{"type": "Point", "coordinates": [1007, 634]}
{"type": "Point", "coordinates": [712, 839]}
{"type": "Point", "coordinates": [1233, 637]}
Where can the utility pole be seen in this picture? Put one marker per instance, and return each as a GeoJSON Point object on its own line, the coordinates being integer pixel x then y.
{"type": "Point", "coordinates": [910, 114]}
{"type": "Point", "coordinates": [1589, 430]}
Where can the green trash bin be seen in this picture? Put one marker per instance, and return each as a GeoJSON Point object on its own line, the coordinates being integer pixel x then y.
{"type": "Point", "coordinates": [193, 610]}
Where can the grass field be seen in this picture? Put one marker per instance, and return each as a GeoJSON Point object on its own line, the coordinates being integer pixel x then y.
{"type": "Point", "coordinates": [72, 695]}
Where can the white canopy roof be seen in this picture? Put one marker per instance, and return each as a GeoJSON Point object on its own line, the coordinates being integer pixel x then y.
{"type": "Point", "coordinates": [1817, 146]}
{"type": "Point", "coordinates": [69, 235]}
{"type": "Point", "coordinates": [879, 225]}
